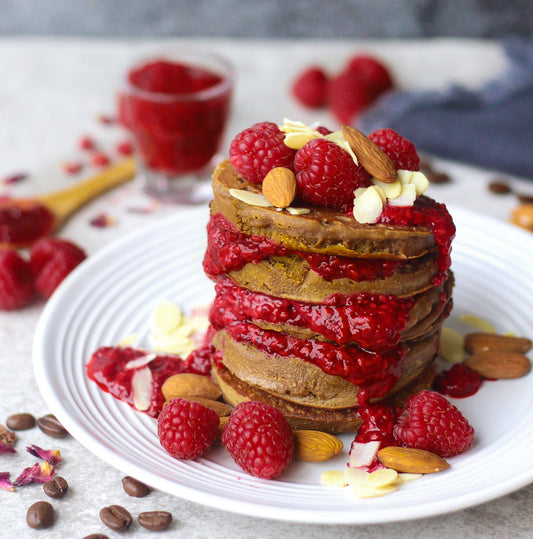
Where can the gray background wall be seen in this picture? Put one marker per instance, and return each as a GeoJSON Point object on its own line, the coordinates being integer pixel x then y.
{"type": "Point", "coordinates": [268, 18]}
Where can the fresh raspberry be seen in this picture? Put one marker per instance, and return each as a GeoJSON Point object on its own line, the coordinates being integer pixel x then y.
{"type": "Point", "coordinates": [326, 175]}
{"type": "Point", "coordinates": [16, 280]}
{"type": "Point", "coordinates": [372, 71]}
{"type": "Point", "coordinates": [51, 260]}
{"type": "Point", "coordinates": [257, 150]}
{"type": "Point", "coordinates": [310, 88]}
{"type": "Point", "coordinates": [259, 439]}
{"type": "Point", "coordinates": [187, 429]}
{"type": "Point", "coordinates": [401, 151]}
{"type": "Point", "coordinates": [429, 421]}
{"type": "Point", "coordinates": [348, 95]}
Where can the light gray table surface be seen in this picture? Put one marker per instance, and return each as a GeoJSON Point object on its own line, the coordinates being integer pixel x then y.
{"type": "Point", "coordinates": [52, 92]}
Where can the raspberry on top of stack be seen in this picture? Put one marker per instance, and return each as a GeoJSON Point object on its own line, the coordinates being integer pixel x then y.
{"type": "Point", "coordinates": [332, 272]}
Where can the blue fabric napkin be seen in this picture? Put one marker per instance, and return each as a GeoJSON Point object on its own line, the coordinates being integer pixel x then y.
{"type": "Point", "coordinates": [491, 127]}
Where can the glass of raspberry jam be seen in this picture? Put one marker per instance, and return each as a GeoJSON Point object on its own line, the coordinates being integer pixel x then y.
{"type": "Point", "coordinates": [176, 107]}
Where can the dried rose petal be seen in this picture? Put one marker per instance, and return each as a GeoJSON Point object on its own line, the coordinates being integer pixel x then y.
{"type": "Point", "coordinates": [14, 178]}
{"type": "Point", "coordinates": [72, 168]}
{"type": "Point", "coordinates": [102, 220]}
{"type": "Point", "coordinates": [52, 456]}
{"type": "Point", "coordinates": [38, 473]}
{"type": "Point", "coordinates": [5, 482]}
{"type": "Point", "coordinates": [4, 448]}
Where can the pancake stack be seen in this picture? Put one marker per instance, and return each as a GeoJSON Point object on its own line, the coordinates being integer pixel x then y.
{"type": "Point", "coordinates": [319, 314]}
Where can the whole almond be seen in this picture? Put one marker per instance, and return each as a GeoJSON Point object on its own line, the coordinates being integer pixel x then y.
{"type": "Point", "coordinates": [371, 157]}
{"type": "Point", "coordinates": [408, 460]}
{"type": "Point", "coordinates": [221, 408]}
{"type": "Point", "coordinates": [315, 446]}
{"type": "Point", "coordinates": [483, 342]}
{"type": "Point", "coordinates": [497, 365]}
{"type": "Point", "coordinates": [190, 385]}
{"type": "Point", "coordinates": [279, 187]}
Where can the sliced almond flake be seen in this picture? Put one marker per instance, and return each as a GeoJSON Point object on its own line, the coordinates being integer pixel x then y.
{"type": "Point", "coordinates": [406, 198]}
{"type": "Point", "coordinates": [367, 491]}
{"type": "Point", "coordinates": [367, 206]}
{"type": "Point", "coordinates": [390, 190]}
{"type": "Point", "coordinates": [355, 476]}
{"type": "Point", "coordinates": [338, 138]}
{"type": "Point", "coordinates": [166, 317]}
{"type": "Point", "coordinates": [298, 211]}
{"type": "Point", "coordinates": [140, 361]}
{"type": "Point", "coordinates": [477, 322]}
{"type": "Point", "coordinates": [451, 345]}
{"type": "Point", "coordinates": [362, 454]}
{"type": "Point", "coordinates": [333, 478]}
{"type": "Point", "coordinates": [407, 477]}
{"type": "Point", "coordinates": [130, 340]}
{"type": "Point", "coordinates": [253, 199]}
{"type": "Point", "coordinates": [382, 477]}
{"type": "Point", "coordinates": [141, 384]}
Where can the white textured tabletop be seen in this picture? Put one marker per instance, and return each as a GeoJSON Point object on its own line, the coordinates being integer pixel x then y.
{"type": "Point", "coordinates": [54, 91]}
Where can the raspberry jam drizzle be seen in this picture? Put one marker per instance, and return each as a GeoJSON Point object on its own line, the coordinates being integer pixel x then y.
{"type": "Point", "coordinates": [228, 249]}
{"type": "Point", "coordinates": [22, 224]}
{"type": "Point", "coordinates": [426, 212]}
{"type": "Point", "coordinates": [107, 367]}
{"type": "Point", "coordinates": [458, 381]}
{"type": "Point", "coordinates": [373, 321]}
{"type": "Point", "coordinates": [375, 373]}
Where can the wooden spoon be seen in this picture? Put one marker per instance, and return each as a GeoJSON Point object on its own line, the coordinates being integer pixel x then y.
{"type": "Point", "coordinates": [23, 221]}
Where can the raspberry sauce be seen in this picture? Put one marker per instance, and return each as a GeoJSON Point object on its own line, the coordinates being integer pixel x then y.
{"type": "Point", "coordinates": [426, 212]}
{"type": "Point", "coordinates": [459, 381]}
{"type": "Point", "coordinates": [24, 224]}
{"type": "Point", "coordinates": [373, 321]}
{"type": "Point", "coordinates": [228, 249]}
{"type": "Point", "coordinates": [375, 373]}
{"type": "Point", "coordinates": [176, 112]}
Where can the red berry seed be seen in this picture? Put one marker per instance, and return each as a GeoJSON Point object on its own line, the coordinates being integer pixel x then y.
{"type": "Point", "coordinates": [187, 429]}
{"type": "Point", "coordinates": [100, 159]}
{"type": "Point", "coordinates": [86, 143]}
{"type": "Point", "coordinates": [16, 280]}
{"type": "Point", "coordinates": [259, 439]}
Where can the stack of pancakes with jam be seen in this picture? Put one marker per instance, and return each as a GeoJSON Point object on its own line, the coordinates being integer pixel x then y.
{"type": "Point", "coordinates": [318, 314]}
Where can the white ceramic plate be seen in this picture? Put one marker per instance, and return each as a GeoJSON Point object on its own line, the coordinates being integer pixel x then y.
{"type": "Point", "coordinates": [112, 295]}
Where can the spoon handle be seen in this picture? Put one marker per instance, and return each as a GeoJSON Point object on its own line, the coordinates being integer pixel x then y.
{"type": "Point", "coordinates": [66, 201]}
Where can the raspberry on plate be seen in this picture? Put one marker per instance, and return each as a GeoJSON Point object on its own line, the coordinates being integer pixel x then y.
{"type": "Point", "coordinates": [401, 151]}
{"type": "Point", "coordinates": [259, 439]}
{"type": "Point", "coordinates": [310, 87]}
{"type": "Point", "coordinates": [326, 175]}
{"type": "Point", "coordinates": [348, 95]}
{"type": "Point", "coordinates": [429, 421]}
{"type": "Point", "coordinates": [187, 429]}
{"type": "Point", "coordinates": [257, 150]}
{"type": "Point", "coordinates": [51, 260]}
{"type": "Point", "coordinates": [16, 281]}
{"type": "Point", "coordinates": [373, 71]}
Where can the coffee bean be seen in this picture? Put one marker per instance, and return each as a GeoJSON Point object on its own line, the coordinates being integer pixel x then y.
{"type": "Point", "coordinates": [116, 517]}
{"type": "Point", "coordinates": [21, 421]}
{"type": "Point", "coordinates": [56, 488]}
{"type": "Point", "coordinates": [438, 177]}
{"type": "Point", "coordinates": [499, 187]}
{"type": "Point", "coordinates": [40, 515]}
{"type": "Point", "coordinates": [155, 520]}
{"type": "Point", "coordinates": [50, 425]}
{"type": "Point", "coordinates": [96, 536]}
{"type": "Point", "coordinates": [135, 488]}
